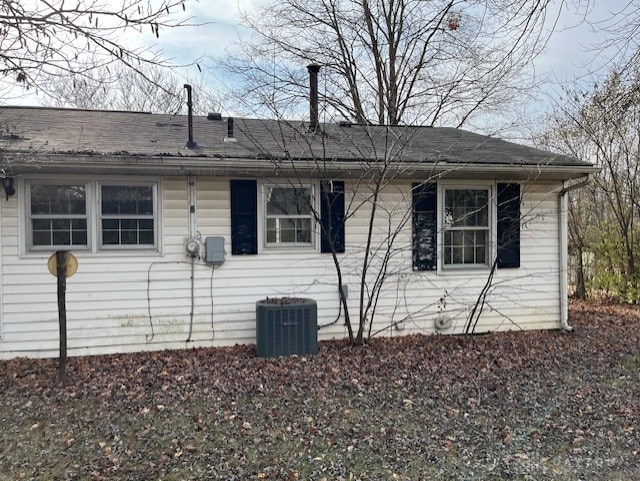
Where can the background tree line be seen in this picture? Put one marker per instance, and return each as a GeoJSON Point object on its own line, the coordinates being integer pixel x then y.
{"type": "Point", "coordinates": [600, 125]}
{"type": "Point", "coordinates": [598, 121]}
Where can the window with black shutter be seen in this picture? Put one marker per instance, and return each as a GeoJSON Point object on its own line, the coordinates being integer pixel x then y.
{"type": "Point", "coordinates": [288, 219]}
{"type": "Point", "coordinates": [332, 216]}
{"type": "Point", "coordinates": [466, 226]}
{"type": "Point", "coordinates": [508, 225]}
{"type": "Point", "coordinates": [244, 217]}
{"type": "Point", "coordinates": [425, 214]}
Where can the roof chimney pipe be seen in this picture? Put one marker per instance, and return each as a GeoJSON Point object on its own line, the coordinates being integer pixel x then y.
{"type": "Point", "coordinates": [190, 143]}
{"type": "Point", "coordinates": [230, 137]}
{"type": "Point", "coordinates": [313, 96]}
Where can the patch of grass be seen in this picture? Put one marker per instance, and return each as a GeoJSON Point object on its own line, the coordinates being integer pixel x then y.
{"type": "Point", "coordinates": [631, 363]}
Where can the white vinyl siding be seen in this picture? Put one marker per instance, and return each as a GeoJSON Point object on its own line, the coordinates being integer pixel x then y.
{"type": "Point", "coordinates": [132, 300]}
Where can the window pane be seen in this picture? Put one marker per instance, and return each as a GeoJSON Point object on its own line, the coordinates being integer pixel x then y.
{"type": "Point", "coordinates": [145, 203]}
{"type": "Point", "coordinates": [57, 199]}
{"type": "Point", "coordinates": [458, 238]}
{"type": "Point", "coordinates": [448, 209]}
{"type": "Point", "coordinates": [78, 232]}
{"type": "Point", "coordinates": [127, 232]}
{"type": "Point", "coordinates": [146, 237]}
{"type": "Point", "coordinates": [41, 231]}
{"type": "Point", "coordinates": [271, 230]}
{"type": "Point", "coordinates": [483, 217]}
{"type": "Point", "coordinates": [480, 255]}
{"type": "Point", "coordinates": [109, 205]}
{"type": "Point", "coordinates": [448, 247]}
{"type": "Point", "coordinates": [456, 246]}
{"type": "Point", "coordinates": [466, 208]}
{"type": "Point", "coordinates": [110, 237]}
{"type": "Point", "coordinates": [288, 215]}
{"type": "Point", "coordinates": [41, 224]}
{"type": "Point", "coordinates": [77, 203]}
{"type": "Point", "coordinates": [79, 237]}
{"type": "Point", "coordinates": [303, 231]}
{"type": "Point", "coordinates": [124, 204]}
{"type": "Point", "coordinates": [79, 224]}
{"type": "Point", "coordinates": [60, 224]}
{"type": "Point", "coordinates": [287, 235]}
{"type": "Point", "coordinates": [128, 224]}
{"type": "Point", "coordinates": [110, 224]}
{"type": "Point", "coordinates": [481, 246]}
{"type": "Point", "coordinates": [288, 201]}
{"type": "Point", "coordinates": [54, 204]}
{"type": "Point", "coordinates": [288, 230]}
{"type": "Point", "coordinates": [464, 211]}
{"type": "Point", "coordinates": [41, 238]}
{"type": "Point", "coordinates": [61, 237]}
{"type": "Point", "coordinates": [146, 224]}
{"type": "Point", "coordinates": [482, 208]}
{"type": "Point", "coordinates": [468, 248]}
{"type": "Point", "coordinates": [456, 257]}
{"type": "Point", "coordinates": [128, 237]}
{"type": "Point", "coordinates": [287, 223]}
{"type": "Point", "coordinates": [63, 232]}
{"type": "Point", "coordinates": [125, 199]}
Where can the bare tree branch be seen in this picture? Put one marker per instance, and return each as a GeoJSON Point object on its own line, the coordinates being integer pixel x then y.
{"type": "Point", "coordinates": [41, 38]}
{"type": "Point", "coordinates": [394, 61]}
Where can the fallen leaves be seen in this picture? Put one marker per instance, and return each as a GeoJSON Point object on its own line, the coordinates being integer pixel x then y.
{"type": "Point", "coordinates": [525, 405]}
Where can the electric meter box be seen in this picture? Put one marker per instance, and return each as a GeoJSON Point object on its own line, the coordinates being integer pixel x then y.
{"type": "Point", "coordinates": [214, 247]}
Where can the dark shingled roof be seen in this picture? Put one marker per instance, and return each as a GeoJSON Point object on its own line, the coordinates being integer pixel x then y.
{"type": "Point", "coordinates": [108, 133]}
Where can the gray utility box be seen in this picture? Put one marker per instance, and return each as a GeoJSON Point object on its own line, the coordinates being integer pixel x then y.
{"type": "Point", "coordinates": [214, 250]}
{"type": "Point", "coordinates": [286, 326]}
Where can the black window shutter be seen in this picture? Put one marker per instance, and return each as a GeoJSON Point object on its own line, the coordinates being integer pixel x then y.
{"type": "Point", "coordinates": [244, 216]}
{"type": "Point", "coordinates": [332, 216]}
{"type": "Point", "coordinates": [425, 229]}
{"type": "Point", "coordinates": [508, 229]}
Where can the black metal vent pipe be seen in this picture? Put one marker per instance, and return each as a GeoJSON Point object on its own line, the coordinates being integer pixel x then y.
{"type": "Point", "coordinates": [313, 96]}
{"type": "Point", "coordinates": [230, 128]}
{"type": "Point", "coordinates": [190, 143]}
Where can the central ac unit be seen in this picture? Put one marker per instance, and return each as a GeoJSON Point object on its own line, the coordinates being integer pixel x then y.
{"type": "Point", "coordinates": [286, 326]}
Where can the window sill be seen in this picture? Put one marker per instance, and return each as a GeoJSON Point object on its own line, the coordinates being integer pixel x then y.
{"type": "Point", "coordinates": [93, 254]}
{"type": "Point", "coordinates": [272, 250]}
{"type": "Point", "coordinates": [460, 271]}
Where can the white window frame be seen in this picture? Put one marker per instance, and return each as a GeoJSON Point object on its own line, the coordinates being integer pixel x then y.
{"type": "Point", "coordinates": [93, 214]}
{"type": "Point", "coordinates": [100, 216]}
{"type": "Point", "coordinates": [265, 246]}
{"type": "Point", "coordinates": [29, 216]}
{"type": "Point", "coordinates": [491, 229]}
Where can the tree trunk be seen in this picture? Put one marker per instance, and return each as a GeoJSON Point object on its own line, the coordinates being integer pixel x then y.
{"type": "Point", "coordinates": [581, 288]}
{"type": "Point", "coordinates": [61, 273]}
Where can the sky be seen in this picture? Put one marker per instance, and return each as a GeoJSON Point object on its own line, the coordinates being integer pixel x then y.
{"type": "Point", "coordinates": [569, 55]}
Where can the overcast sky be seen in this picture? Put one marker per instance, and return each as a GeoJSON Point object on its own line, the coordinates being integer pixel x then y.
{"type": "Point", "coordinates": [569, 55]}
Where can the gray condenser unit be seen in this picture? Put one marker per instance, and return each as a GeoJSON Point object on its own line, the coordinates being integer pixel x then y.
{"type": "Point", "coordinates": [286, 326]}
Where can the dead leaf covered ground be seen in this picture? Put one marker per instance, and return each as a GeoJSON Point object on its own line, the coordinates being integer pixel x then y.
{"type": "Point", "coordinates": [509, 406]}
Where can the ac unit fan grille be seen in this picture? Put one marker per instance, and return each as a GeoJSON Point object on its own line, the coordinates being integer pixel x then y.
{"type": "Point", "coordinates": [283, 330]}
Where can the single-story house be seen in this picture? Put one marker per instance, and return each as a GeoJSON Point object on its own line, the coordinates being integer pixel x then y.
{"type": "Point", "coordinates": [180, 223]}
